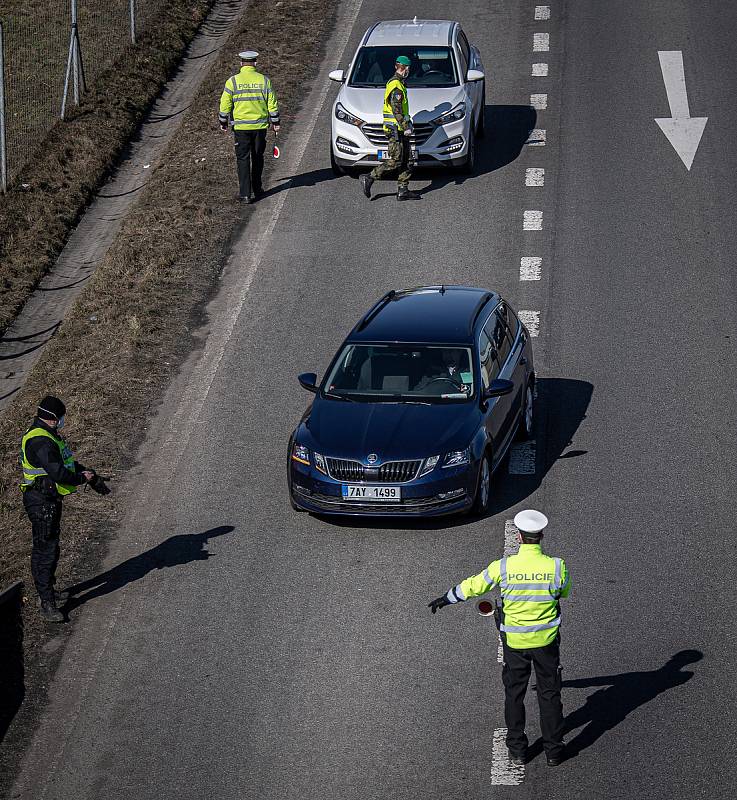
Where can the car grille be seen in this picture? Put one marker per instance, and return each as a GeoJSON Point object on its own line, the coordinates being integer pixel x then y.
{"type": "Point", "coordinates": [375, 133]}
{"type": "Point", "coordinates": [392, 472]}
{"type": "Point", "coordinates": [408, 505]}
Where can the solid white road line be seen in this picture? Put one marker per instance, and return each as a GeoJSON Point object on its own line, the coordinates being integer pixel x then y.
{"type": "Point", "coordinates": [540, 42]}
{"type": "Point", "coordinates": [537, 137]}
{"type": "Point", "coordinates": [531, 320]}
{"type": "Point", "coordinates": [534, 176]}
{"type": "Point", "coordinates": [539, 70]}
{"type": "Point", "coordinates": [539, 101]}
{"type": "Point", "coordinates": [533, 221]}
{"type": "Point", "coordinates": [542, 12]}
{"type": "Point", "coordinates": [522, 457]}
{"type": "Point", "coordinates": [530, 268]}
{"type": "Point", "coordinates": [503, 772]}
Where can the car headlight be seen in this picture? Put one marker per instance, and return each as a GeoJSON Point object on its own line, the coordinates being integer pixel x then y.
{"type": "Point", "coordinates": [457, 458]}
{"type": "Point", "coordinates": [320, 463]}
{"type": "Point", "coordinates": [300, 453]}
{"type": "Point", "coordinates": [459, 112]}
{"type": "Point", "coordinates": [429, 465]}
{"type": "Point", "coordinates": [346, 116]}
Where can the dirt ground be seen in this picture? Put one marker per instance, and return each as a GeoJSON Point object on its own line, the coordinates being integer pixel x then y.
{"type": "Point", "coordinates": [136, 320]}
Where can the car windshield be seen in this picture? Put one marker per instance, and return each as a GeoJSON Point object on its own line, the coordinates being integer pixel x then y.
{"type": "Point", "coordinates": [402, 373]}
{"type": "Point", "coordinates": [430, 66]}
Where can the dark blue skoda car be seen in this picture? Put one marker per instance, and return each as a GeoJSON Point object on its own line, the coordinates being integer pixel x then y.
{"type": "Point", "coordinates": [417, 409]}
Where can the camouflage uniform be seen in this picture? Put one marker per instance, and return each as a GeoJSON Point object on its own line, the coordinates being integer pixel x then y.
{"type": "Point", "coordinates": [399, 146]}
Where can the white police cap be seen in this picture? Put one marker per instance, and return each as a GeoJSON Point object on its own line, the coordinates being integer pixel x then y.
{"type": "Point", "coordinates": [248, 55]}
{"type": "Point", "coordinates": [530, 521]}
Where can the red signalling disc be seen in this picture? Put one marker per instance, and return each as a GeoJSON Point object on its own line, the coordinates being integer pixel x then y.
{"type": "Point", "coordinates": [276, 151]}
{"type": "Point", "coordinates": [485, 608]}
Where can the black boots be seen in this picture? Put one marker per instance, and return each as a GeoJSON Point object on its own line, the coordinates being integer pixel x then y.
{"type": "Point", "coordinates": [366, 183]}
{"type": "Point", "coordinates": [518, 759]}
{"type": "Point", "coordinates": [50, 612]}
{"type": "Point", "coordinates": [406, 194]}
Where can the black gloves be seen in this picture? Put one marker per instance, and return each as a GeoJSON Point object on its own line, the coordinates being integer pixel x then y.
{"type": "Point", "coordinates": [97, 484]}
{"type": "Point", "coordinates": [438, 603]}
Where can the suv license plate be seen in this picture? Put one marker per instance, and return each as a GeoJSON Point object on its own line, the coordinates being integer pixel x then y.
{"type": "Point", "coordinates": [388, 493]}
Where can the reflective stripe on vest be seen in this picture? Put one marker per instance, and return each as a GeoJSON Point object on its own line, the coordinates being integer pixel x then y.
{"type": "Point", "coordinates": [250, 100]}
{"type": "Point", "coordinates": [390, 121]}
{"type": "Point", "coordinates": [519, 592]}
{"type": "Point", "coordinates": [30, 473]}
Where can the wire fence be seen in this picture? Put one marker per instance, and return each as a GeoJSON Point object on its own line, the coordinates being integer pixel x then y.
{"type": "Point", "coordinates": [50, 50]}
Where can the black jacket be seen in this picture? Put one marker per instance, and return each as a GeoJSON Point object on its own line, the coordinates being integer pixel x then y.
{"type": "Point", "coordinates": [42, 453]}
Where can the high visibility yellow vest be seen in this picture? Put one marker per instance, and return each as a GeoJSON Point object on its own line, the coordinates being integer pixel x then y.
{"type": "Point", "coordinates": [30, 473]}
{"type": "Point", "coordinates": [531, 584]}
{"type": "Point", "coordinates": [251, 100]}
{"type": "Point", "coordinates": [390, 121]}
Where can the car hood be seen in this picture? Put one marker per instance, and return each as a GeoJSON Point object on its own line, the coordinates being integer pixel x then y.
{"type": "Point", "coordinates": [424, 104]}
{"type": "Point", "coordinates": [390, 430]}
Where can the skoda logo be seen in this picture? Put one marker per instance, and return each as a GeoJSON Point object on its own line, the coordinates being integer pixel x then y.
{"type": "Point", "coordinates": [371, 458]}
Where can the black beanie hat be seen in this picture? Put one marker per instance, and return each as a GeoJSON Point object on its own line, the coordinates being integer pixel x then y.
{"type": "Point", "coordinates": [51, 407]}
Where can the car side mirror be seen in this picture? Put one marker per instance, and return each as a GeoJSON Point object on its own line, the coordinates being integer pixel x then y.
{"type": "Point", "coordinates": [308, 380]}
{"type": "Point", "coordinates": [337, 75]}
{"type": "Point", "coordinates": [474, 75]}
{"type": "Point", "coordinates": [498, 388]}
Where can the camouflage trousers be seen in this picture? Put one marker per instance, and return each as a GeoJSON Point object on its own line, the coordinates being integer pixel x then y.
{"type": "Point", "coordinates": [399, 159]}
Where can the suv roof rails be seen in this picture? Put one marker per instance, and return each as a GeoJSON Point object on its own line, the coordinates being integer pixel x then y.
{"type": "Point", "coordinates": [375, 308]}
{"type": "Point", "coordinates": [483, 300]}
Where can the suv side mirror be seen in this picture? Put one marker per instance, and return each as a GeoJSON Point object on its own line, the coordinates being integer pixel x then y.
{"type": "Point", "coordinates": [308, 380]}
{"type": "Point", "coordinates": [337, 75]}
{"type": "Point", "coordinates": [498, 387]}
{"type": "Point", "coordinates": [475, 75]}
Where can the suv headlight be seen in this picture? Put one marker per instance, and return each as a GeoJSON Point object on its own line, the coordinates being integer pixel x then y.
{"type": "Point", "coordinates": [346, 116]}
{"type": "Point", "coordinates": [457, 458]}
{"type": "Point", "coordinates": [429, 465]}
{"type": "Point", "coordinates": [459, 112]}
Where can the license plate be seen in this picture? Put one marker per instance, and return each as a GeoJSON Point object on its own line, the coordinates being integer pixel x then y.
{"type": "Point", "coordinates": [383, 155]}
{"type": "Point", "coordinates": [388, 493]}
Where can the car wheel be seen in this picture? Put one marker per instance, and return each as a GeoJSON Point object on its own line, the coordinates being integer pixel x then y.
{"type": "Point", "coordinates": [481, 127]}
{"type": "Point", "coordinates": [527, 420]}
{"type": "Point", "coordinates": [468, 167]}
{"type": "Point", "coordinates": [483, 487]}
{"type": "Point", "coordinates": [338, 171]}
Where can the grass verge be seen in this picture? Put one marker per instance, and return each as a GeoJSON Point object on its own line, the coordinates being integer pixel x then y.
{"type": "Point", "coordinates": [122, 341]}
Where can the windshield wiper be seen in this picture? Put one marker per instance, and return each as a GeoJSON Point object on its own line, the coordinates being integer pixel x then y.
{"type": "Point", "coordinates": [334, 396]}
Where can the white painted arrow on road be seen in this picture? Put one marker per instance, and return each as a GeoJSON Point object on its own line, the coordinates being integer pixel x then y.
{"type": "Point", "coordinates": [684, 132]}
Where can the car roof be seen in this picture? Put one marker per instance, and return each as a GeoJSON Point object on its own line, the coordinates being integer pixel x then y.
{"type": "Point", "coordinates": [427, 314]}
{"type": "Point", "coordinates": [411, 32]}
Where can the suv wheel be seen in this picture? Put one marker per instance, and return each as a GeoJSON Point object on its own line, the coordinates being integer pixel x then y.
{"type": "Point", "coordinates": [334, 165]}
{"type": "Point", "coordinates": [468, 167]}
{"type": "Point", "coordinates": [527, 420]}
{"type": "Point", "coordinates": [483, 487]}
{"type": "Point", "coordinates": [481, 127]}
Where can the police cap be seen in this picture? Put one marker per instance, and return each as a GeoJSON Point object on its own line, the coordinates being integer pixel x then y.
{"type": "Point", "coordinates": [248, 55]}
{"type": "Point", "coordinates": [404, 61]}
{"type": "Point", "coordinates": [530, 521]}
{"type": "Point", "coordinates": [51, 408]}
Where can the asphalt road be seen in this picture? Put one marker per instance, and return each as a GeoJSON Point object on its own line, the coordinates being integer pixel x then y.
{"type": "Point", "coordinates": [239, 650]}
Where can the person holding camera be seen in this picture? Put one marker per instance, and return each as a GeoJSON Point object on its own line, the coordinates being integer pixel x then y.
{"type": "Point", "coordinates": [49, 474]}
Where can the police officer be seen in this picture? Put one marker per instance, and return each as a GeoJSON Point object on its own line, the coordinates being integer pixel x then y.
{"type": "Point", "coordinates": [398, 128]}
{"type": "Point", "coordinates": [251, 101]}
{"type": "Point", "coordinates": [528, 615]}
{"type": "Point", "coordinates": [49, 474]}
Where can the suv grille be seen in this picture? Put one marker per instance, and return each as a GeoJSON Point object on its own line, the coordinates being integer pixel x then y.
{"type": "Point", "coordinates": [374, 132]}
{"type": "Point", "coordinates": [391, 472]}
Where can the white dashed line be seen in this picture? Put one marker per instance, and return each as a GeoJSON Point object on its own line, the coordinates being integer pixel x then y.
{"type": "Point", "coordinates": [537, 138]}
{"type": "Point", "coordinates": [534, 176]}
{"type": "Point", "coordinates": [511, 546]}
{"type": "Point", "coordinates": [531, 320]}
{"type": "Point", "coordinates": [530, 268]}
{"type": "Point", "coordinates": [540, 42]}
{"type": "Point", "coordinates": [503, 772]}
{"type": "Point", "coordinates": [522, 457]}
{"type": "Point", "coordinates": [542, 12]}
{"type": "Point", "coordinates": [539, 70]}
{"type": "Point", "coordinates": [533, 221]}
{"type": "Point", "coordinates": [539, 101]}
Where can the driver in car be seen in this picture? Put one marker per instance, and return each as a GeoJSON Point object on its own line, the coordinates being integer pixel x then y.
{"type": "Point", "coordinates": [443, 368]}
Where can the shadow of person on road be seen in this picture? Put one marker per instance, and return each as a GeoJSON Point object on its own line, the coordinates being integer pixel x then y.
{"type": "Point", "coordinates": [174, 552]}
{"type": "Point", "coordinates": [12, 671]}
{"type": "Point", "coordinates": [624, 693]}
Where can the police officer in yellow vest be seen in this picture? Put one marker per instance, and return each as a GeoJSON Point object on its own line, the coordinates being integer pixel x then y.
{"type": "Point", "coordinates": [250, 100]}
{"type": "Point", "coordinates": [531, 585]}
{"type": "Point", "coordinates": [398, 128]}
{"type": "Point", "coordinates": [49, 474]}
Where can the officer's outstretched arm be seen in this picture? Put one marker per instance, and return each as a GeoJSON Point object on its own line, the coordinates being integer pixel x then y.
{"type": "Point", "coordinates": [475, 586]}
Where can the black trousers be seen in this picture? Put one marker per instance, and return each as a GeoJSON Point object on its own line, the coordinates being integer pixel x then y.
{"type": "Point", "coordinates": [249, 154]}
{"type": "Point", "coordinates": [515, 675]}
{"type": "Point", "coordinates": [45, 516]}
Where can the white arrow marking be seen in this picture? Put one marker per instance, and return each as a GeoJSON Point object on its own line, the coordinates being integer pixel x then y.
{"type": "Point", "coordinates": [683, 131]}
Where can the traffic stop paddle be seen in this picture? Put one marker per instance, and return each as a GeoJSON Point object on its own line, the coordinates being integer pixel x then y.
{"type": "Point", "coordinates": [276, 152]}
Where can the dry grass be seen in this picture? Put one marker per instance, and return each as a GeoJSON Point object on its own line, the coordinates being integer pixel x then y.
{"type": "Point", "coordinates": [147, 297]}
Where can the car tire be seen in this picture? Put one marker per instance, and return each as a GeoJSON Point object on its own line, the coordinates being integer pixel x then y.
{"type": "Point", "coordinates": [338, 171]}
{"type": "Point", "coordinates": [482, 499]}
{"type": "Point", "coordinates": [470, 164]}
{"type": "Point", "coordinates": [481, 127]}
{"type": "Point", "coordinates": [526, 429]}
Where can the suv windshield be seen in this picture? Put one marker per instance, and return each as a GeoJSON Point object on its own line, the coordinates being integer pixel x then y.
{"type": "Point", "coordinates": [431, 66]}
{"type": "Point", "coordinates": [406, 372]}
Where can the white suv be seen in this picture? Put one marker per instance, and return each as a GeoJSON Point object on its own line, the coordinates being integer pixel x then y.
{"type": "Point", "coordinates": [445, 88]}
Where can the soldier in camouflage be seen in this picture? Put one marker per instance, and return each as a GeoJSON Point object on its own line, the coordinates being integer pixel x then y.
{"type": "Point", "coordinates": [398, 128]}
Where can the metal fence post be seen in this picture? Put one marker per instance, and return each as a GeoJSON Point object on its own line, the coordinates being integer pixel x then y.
{"type": "Point", "coordinates": [3, 154]}
{"type": "Point", "coordinates": [75, 66]}
{"type": "Point", "coordinates": [133, 20]}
